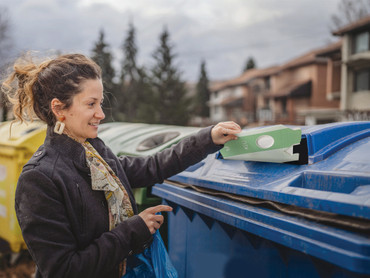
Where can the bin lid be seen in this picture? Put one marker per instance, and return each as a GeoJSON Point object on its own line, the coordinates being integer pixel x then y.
{"type": "Point", "coordinates": [139, 139]}
{"type": "Point", "coordinates": [29, 135]}
{"type": "Point", "coordinates": [110, 125]}
{"type": "Point", "coordinates": [155, 140]}
{"type": "Point", "coordinates": [336, 177]}
{"type": "Point", "coordinates": [116, 133]}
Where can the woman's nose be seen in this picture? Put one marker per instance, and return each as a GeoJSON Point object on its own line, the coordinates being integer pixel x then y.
{"type": "Point", "coordinates": [99, 113]}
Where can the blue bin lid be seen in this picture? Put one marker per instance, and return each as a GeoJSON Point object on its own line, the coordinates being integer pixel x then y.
{"type": "Point", "coordinates": [335, 179]}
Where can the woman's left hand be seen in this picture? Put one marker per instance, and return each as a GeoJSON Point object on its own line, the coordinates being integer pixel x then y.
{"type": "Point", "coordinates": [224, 132]}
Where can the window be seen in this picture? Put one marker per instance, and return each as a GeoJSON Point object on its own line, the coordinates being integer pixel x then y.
{"type": "Point", "coordinates": [256, 88]}
{"type": "Point", "coordinates": [361, 42]}
{"type": "Point", "coordinates": [267, 83]}
{"type": "Point", "coordinates": [362, 80]}
{"type": "Point", "coordinates": [283, 105]}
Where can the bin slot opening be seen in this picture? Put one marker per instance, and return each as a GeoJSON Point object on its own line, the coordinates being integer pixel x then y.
{"type": "Point", "coordinates": [331, 182]}
{"type": "Point", "coordinates": [302, 149]}
{"type": "Point", "coordinates": [29, 131]}
{"type": "Point", "coordinates": [157, 140]}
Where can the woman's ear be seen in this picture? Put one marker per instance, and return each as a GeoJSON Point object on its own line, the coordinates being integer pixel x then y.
{"type": "Point", "coordinates": [57, 108]}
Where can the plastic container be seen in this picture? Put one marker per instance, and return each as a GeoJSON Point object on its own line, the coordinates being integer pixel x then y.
{"type": "Point", "coordinates": [114, 134]}
{"type": "Point", "coordinates": [138, 139]}
{"type": "Point", "coordinates": [259, 219]}
{"type": "Point", "coordinates": [117, 134]}
{"type": "Point", "coordinates": [154, 139]}
{"type": "Point", "coordinates": [16, 148]}
{"type": "Point", "coordinates": [143, 140]}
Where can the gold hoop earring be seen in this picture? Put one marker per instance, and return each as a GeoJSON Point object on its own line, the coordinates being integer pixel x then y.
{"type": "Point", "coordinates": [59, 127]}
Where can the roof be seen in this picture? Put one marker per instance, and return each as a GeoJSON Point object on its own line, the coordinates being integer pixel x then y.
{"type": "Point", "coordinates": [315, 55]}
{"type": "Point", "coordinates": [293, 89]}
{"type": "Point", "coordinates": [363, 22]}
{"type": "Point", "coordinates": [330, 49]}
{"type": "Point", "coordinates": [244, 78]}
{"type": "Point", "coordinates": [233, 101]}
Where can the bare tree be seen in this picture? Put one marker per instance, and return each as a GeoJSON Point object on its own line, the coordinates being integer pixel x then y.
{"type": "Point", "coordinates": [350, 11]}
{"type": "Point", "coordinates": [5, 50]}
{"type": "Point", "coordinates": [5, 36]}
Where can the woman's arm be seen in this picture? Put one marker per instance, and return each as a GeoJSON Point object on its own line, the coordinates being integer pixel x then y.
{"type": "Point", "coordinates": [146, 171]}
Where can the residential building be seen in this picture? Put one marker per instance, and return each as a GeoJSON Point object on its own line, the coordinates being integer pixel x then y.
{"type": "Point", "coordinates": [305, 89]}
{"type": "Point", "coordinates": [236, 99]}
{"type": "Point", "coordinates": [302, 91]}
{"type": "Point", "coordinates": [355, 69]}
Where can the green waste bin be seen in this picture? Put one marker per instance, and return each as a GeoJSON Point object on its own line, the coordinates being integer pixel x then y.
{"type": "Point", "coordinates": [138, 139]}
{"type": "Point", "coordinates": [154, 139]}
{"type": "Point", "coordinates": [117, 134]}
{"type": "Point", "coordinates": [144, 140]}
{"type": "Point", "coordinates": [114, 134]}
{"type": "Point", "coordinates": [18, 142]}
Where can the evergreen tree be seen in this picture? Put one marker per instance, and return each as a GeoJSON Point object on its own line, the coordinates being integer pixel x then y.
{"type": "Point", "coordinates": [102, 56]}
{"type": "Point", "coordinates": [133, 83]}
{"type": "Point", "coordinates": [5, 107]}
{"type": "Point", "coordinates": [203, 93]}
{"type": "Point", "coordinates": [146, 111]}
{"type": "Point", "coordinates": [250, 64]}
{"type": "Point", "coordinates": [169, 91]}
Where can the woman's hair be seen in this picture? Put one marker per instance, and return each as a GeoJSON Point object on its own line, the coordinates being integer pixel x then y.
{"type": "Point", "coordinates": [31, 86]}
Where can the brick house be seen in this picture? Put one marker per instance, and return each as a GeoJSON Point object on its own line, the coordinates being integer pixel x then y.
{"type": "Point", "coordinates": [236, 99]}
{"type": "Point", "coordinates": [303, 89]}
{"type": "Point", "coordinates": [355, 69]}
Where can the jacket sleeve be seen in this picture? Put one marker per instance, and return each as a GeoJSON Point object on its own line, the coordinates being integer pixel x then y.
{"type": "Point", "coordinates": [146, 171]}
{"type": "Point", "coordinates": [46, 229]}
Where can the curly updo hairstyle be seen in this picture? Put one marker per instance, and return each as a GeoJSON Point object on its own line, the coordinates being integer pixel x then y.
{"type": "Point", "coordinates": [31, 87]}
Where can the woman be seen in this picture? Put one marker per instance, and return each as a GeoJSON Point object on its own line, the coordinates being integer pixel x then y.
{"type": "Point", "coordinates": [74, 200]}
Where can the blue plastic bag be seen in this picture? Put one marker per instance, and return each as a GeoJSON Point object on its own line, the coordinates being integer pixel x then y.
{"type": "Point", "coordinates": [155, 262]}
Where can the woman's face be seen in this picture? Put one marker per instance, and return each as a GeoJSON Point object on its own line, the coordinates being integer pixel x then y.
{"type": "Point", "coordinates": [82, 118]}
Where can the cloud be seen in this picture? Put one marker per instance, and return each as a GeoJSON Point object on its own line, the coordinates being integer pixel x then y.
{"type": "Point", "coordinates": [223, 32]}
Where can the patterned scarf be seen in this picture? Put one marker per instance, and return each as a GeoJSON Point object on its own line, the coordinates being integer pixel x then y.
{"type": "Point", "coordinates": [103, 178]}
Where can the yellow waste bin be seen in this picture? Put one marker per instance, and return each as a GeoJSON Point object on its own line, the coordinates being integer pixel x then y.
{"type": "Point", "coordinates": [17, 145]}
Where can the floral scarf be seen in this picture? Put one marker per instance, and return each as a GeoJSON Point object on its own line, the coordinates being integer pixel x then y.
{"type": "Point", "coordinates": [103, 178]}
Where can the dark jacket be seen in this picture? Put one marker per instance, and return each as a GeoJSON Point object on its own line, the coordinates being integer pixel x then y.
{"type": "Point", "coordinates": [65, 223]}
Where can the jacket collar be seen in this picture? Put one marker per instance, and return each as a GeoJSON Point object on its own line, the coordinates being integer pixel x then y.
{"type": "Point", "coordinates": [67, 147]}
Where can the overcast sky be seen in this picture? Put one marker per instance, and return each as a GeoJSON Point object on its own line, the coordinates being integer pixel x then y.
{"type": "Point", "coordinates": [222, 32]}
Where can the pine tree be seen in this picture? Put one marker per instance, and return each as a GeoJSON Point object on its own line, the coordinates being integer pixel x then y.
{"type": "Point", "coordinates": [102, 56]}
{"type": "Point", "coordinates": [202, 96]}
{"type": "Point", "coordinates": [169, 91]}
{"type": "Point", "coordinates": [5, 107]}
{"type": "Point", "coordinates": [146, 111]}
{"type": "Point", "coordinates": [134, 86]}
{"type": "Point", "coordinates": [250, 64]}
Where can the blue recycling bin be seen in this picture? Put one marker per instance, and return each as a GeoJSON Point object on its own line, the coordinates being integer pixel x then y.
{"type": "Point", "coordinates": [257, 219]}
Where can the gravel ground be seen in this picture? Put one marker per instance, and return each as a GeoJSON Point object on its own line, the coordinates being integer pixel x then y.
{"type": "Point", "coordinates": [17, 266]}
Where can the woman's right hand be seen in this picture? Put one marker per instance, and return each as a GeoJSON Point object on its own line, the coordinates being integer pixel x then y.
{"type": "Point", "coordinates": [152, 219]}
